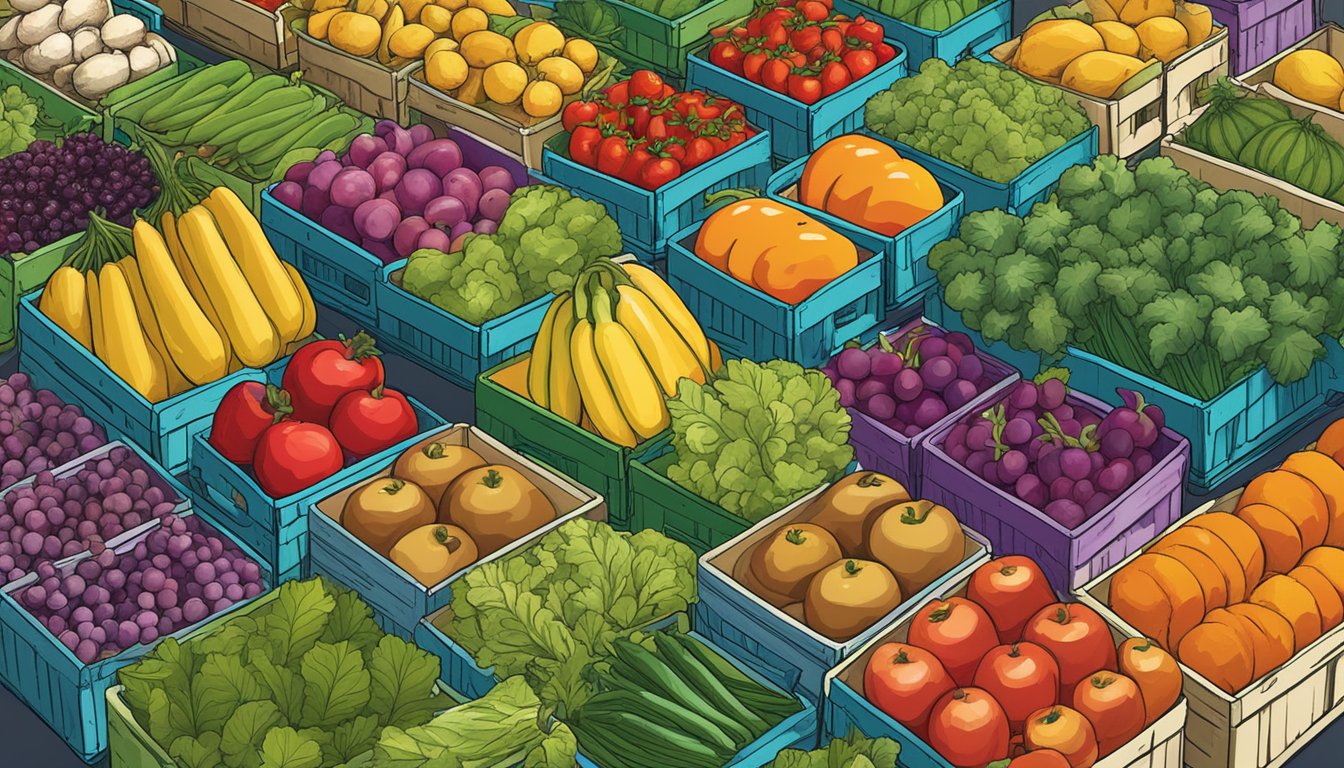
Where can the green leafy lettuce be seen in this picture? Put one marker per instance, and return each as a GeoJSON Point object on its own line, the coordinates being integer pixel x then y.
{"type": "Point", "coordinates": [552, 610]}
{"type": "Point", "coordinates": [307, 680]}
{"type": "Point", "coordinates": [18, 120]}
{"type": "Point", "coordinates": [1155, 271]}
{"type": "Point", "coordinates": [503, 727]}
{"type": "Point", "coordinates": [544, 240]}
{"type": "Point", "coordinates": [852, 752]}
{"type": "Point", "coordinates": [758, 436]}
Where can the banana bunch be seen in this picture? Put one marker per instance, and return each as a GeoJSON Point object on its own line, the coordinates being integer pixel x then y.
{"type": "Point", "coordinates": [610, 353]}
{"type": "Point", "coordinates": [205, 298]}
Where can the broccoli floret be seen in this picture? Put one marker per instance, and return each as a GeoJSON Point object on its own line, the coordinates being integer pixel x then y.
{"type": "Point", "coordinates": [551, 235]}
{"type": "Point", "coordinates": [476, 283]}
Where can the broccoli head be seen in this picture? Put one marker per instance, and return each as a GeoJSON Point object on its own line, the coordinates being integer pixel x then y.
{"type": "Point", "coordinates": [476, 283]}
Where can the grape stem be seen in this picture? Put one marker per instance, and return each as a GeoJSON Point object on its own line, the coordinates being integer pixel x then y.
{"type": "Point", "coordinates": [1086, 439]}
{"type": "Point", "coordinates": [996, 417]}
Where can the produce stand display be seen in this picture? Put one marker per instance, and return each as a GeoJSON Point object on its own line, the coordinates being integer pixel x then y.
{"type": "Point", "coordinates": [789, 340]}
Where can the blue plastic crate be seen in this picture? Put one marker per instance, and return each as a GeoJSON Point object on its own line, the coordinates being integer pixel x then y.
{"type": "Point", "coordinates": [745, 322]}
{"type": "Point", "coordinates": [445, 343]}
{"type": "Point", "coordinates": [649, 218]}
{"type": "Point", "coordinates": [1228, 433]}
{"type": "Point", "coordinates": [277, 529]}
{"type": "Point", "coordinates": [906, 276]}
{"type": "Point", "coordinates": [796, 128]}
{"type": "Point", "coordinates": [765, 637]}
{"type": "Point", "coordinates": [163, 429]}
{"type": "Point", "coordinates": [398, 600]}
{"type": "Point", "coordinates": [70, 696]}
{"type": "Point", "coordinates": [971, 36]}
{"type": "Point", "coordinates": [1028, 188]}
{"type": "Point", "coordinates": [143, 10]}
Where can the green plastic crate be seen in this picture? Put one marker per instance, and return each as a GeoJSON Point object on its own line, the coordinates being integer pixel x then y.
{"type": "Point", "coordinates": [24, 273]}
{"type": "Point", "coordinates": [55, 110]}
{"type": "Point", "coordinates": [503, 412]}
{"type": "Point", "coordinates": [658, 503]}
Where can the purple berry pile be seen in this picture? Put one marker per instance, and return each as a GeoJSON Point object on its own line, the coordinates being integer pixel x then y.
{"type": "Point", "coordinates": [177, 576]}
{"type": "Point", "coordinates": [1058, 457]}
{"type": "Point", "coordinates": [911, 385]}
{"type": "Point", "coordinates": [39, 431]}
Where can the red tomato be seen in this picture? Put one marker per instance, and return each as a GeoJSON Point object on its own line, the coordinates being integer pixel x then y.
{"type": "Point", "coordinates": [637, 116]}
{"type": "Point", "coordinates": [365, 423]}
{"type": "Point", "coordinates": [294, 455]}
{"type": "Point", "coordinates": [583, 143]}
{"type": "Point", "coordinates": [884, 53]}
{"type": "Point", "coordinates": [833, 40]}
{"type": "Point", "coordinates": [618, 93]}
{"type": "Point", "coordinates": [645, 84]}
{"type": "Point", "coordinates": [860, 63]}
{"type": "Point", "coordinates": [658, 171]}
{"type": "Point", "coordinates": [1011, 590]}
{"type": "Point", "coordinates": [577, 113]}
{"type": "Point", "coordinates": [905, 682]}
{"type": "Point", "coordinates": [805, 38]}
{"type": "Point", "coordinates": [698, 151]}
{"type": "Point", "coordinates": [726, 55]}
{"type": "Point", "coordinates": [1023, 677]}
{"type": "Point", "coordinates": [834, 77]}
{"type": "Point", "coordinates": [968, 728]}
{"type": "Point", "coordinates": [657, 130]}
{"type": "Point", "coordinates": [639, 157]}
{"type": "Point", "coordinates": [775, 75]}
{"type": "Point", "coordinates": [612, 155]}
{"type": "Point", "coordinates": [752, 64]}
{"type": "Point", "coordinates": [244, 414]}
{"type": "Point", "coordinates": [1078, 639]}
{"type": "Point", "coordinates": [958, 632]}
{"type": "Point", "coordinates": [321, 372]}
{"type": "Point", "coordinates": [676, 150]}
{"type": "Point", "coordinates": [866, 31]}
{"type": "Point", "coordinates": [1114, 706]}
{"type": "Point", "coordinates": [1040, 758]}
{"type": "Point", "coordinates": [804, 88]}
{"type": "Point", "coordinates": [813, 11]}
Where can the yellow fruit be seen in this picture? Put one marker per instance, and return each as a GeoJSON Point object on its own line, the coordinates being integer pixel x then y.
{"type": "Point", "coordinates": [1164, 37]}
{"type": "Point", "coordinates": [396, 19]}
{"type": "Point", "coordinates": [483, 48]}
{"type": "Point", "coordinates": [329, 5]}
{"type": "Point", "coordinates": [542, 99]}
{"type": "Point", "coordinates": [1102, 10]}
{"type": "Point", "coordinates": [494, 7]}
{"type": "Point", "coordinates": [442, 44]}
{"type": "Point", "coordinates": [504, 82]}
{"type": "Point", "coordinates": [537, 41]}
{"type": "Point", "coordinates": [1100, 73]}
{"type": "Point", "coordinates": [354, 33]}
{"type": "Point", "coordinates": [452, 5]}
{"type": "Point", "coordinates": [1047, 47]}
{"type": "Point", "coordinates": [472, 90]}
{"type": "Point", "coordinates": [446, 70]}
{"type": "Point", "coordinates": [1311, 75]}
{"type": "Point", "coordinates": [412, 9]}
{"type": "Point", "coordinates": [1197, 20]}
{"type": "Point", "coordinates": [564, 73]}
{"type": "Point", "coordinates": [469, 20]}
{"type": "Point", "coordinates": [1137, 11]}
{"type": "Point", "coordinates": [319, 23]}
{"type": "Point", "coordinates": [376, 8]}
{"type": "Point", "coordinates": [1118, 37]}
{"type": "Point", "coordinates": [583, 53]}
{"type": "Point", "coordinates": [438, 19]}
{"type": "Point", "coordinates": [410, 41]}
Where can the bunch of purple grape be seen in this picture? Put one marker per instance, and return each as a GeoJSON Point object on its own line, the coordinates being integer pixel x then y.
{"type": "Point", "coordinates": [177, 576]}
{"type": "Point", "coordinates": [56, 517]}
{"type": "Point", "coordinates": [911, 388]}
{"type": "Point", "coordinates": [38, 431]}
{"type": "Point", "coordinates": [48, 190]}
{"type": "Point", "coordinates": [1059, 457]}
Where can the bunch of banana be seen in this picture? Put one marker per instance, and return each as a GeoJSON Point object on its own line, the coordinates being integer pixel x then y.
{"type": "Point", "coordinates": [610, 353]}
{"type": "Point", "coordinates": [206, 298]}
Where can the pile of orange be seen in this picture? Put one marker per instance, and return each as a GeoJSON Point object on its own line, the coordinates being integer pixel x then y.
{"type": "Point", "coordinates": [1235, 595]}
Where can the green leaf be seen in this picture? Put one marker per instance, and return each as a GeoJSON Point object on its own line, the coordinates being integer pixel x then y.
{"type": "Point", "coordinates": [1237, 334]}
{"type": "Point", "coordinates": [285, 748]}
{"type": "Point", "coordinates": [556, 750]}
{"type": "Point", "coordinates": [191, 752]}
{"type": "Point", "coordinates": [243, 733]}
{"type": "Point", "coordinates": [402, 682]}
{"type": "Point", "coordinates": [297, 618]}
{"type": "Point", "coordinates": [284, 687]}
{"type": "Point", "coordinates": [159, 723]}
{"type": "Point", "coordinates": [354, 737]}
{"type": "Point", "coordinates": [336, 684]}
{"type": "Point", "coordinates": [227, 682]}
{"type": "Point", "coordinates": [1291, 353]}
{"type": "Point", "coordinates": [352, 621]}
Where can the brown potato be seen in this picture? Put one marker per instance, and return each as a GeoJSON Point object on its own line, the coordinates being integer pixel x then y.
{"type": "Point", "coordinates": [786, 560]}
{"type": "Point", "coordinates": [495, 505]}
{"type": "Point", "coordinates": [847, 507]}
{"type": "Point", "coordinates": [383, 510]}
{"type": "Point", "coordinates": [432, 553]}
{"type": "Point", "coordinates": [918, 541]}
{"type": "Point", "coordinates": [847, 596]}
{"type": "Point", "coordinates": [435, 466]}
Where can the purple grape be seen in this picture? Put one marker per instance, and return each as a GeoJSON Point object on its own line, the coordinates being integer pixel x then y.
{"type": "Point", "coordinates": [938, 372]}
{"type": "Point", "coordinates": [989, 471]}
{"type": "Point", "coordinates": [1098, 502]}
{"type": "Point", "coordinates": [929, 412]}
{"type": "Point", "coordinates": [1143, 461]}
{"type": "Point", "coordinates": [853, 363]}
{"type": "Point", "coordinates": [1116, 477]}
{"type": "Point", "coordinates": [970, 368]}
{"type": "Point", "coordinates": [956, 435]}
{"type": "Point", "coordinates": [959, 393]}
{"type": "Point", "coordinates": [930, 347]}
{"type": "Point", "coordinates": [977, 459]}
{"type": "Point", "coordinates": [1061, 488]}
{"type": "Point", "coordinates": [1031, 490]}
{"type": "Point", "coordinates": [846, 389]}
{"type": "Point", "coordinates": [958, 453]}
{"type": "Point", "coordinates": [883, 363]}
{"type": "Point", "coordinates": [1052, 393]}
{"type": "Point", "coordinates": [979, 435]}
{"type": "Point", "coordinates": [1024, 396]}
{"type": "Point", "coordinates": [1017, 432]}
{"type": "Point", "coordinates": [870, 387]}
{"type": "Point", "coordinates": [1075, 463]}
{"type": "Point", "coordinates": [1117, 444]}
{"type": "Point", "coordinates": [1066, 512]}
{"type": "Point", "coordinates": [881, 407]}
{"type": "Point", "coordinates": [1083, 490]}
{"type": "Point", "coordinates": [907, 385]}
{"type": "Point", "coordinates": [1012, 466]}
{"type": "Point", "coordinates": [960, 341]}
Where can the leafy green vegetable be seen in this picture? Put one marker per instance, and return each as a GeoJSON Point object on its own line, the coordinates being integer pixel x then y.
{"type": "Point", "coordinates": [758, 436]}
{"type": "Point", "coordinates": [304, 681]}
{"type": "Point", "coordinates": [1155, 271]}
{"type": "Point", "coordinates": [986, 118]}
{"type": "Point", "coordinates": [505, 723]}
{"type": "Point", "coordinates": [553, 609]}
{"type": "Point", "coordinates": [544, 240]}
{"type": "Point", "coordinates": [18, 120]}
{"type": "Point", "coordinates": [852, 752]}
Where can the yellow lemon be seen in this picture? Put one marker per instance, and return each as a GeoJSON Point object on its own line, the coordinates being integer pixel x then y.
{"type": "Point", "coordinates": [564, 73]}
{"type": "Point", "coordinates": [537, 41]}
{"type": "Point", "coordinates": [504, 82]}
{"type": "Point", "coordinates": [446, 70]}
{"type": "Point", "coordinates": [542, 99]}
{"type": "Point", "coordinates": [469, 20]}
{"type": "Point", "coordinates": [583, 53]}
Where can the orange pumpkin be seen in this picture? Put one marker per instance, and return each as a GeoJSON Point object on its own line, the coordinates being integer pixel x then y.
{"type": "Point", "coordinates": [1220, 654]}
{"type": "Point", "coordinates": [1332, 441]}
{"type": "Point", "coordinates": [774, 248]}
{"type": "Point", "coordinates": [1330, 562]}
{"type": "Point", "coordinates": [1240, 538]}
{"type": "Point", "coordinates": [1159, 596]}
{"type": "Point", "coordinates": [1215, 549]}
{"type": "Point", "coordinates": [1328, 477]}
{"type": "Point", "coordinates": [1323, 590]}
{"type": "Point", "coordinates": [1274, 641]}
{"type": "Point", "coordinates": [1281, 538]}
{"type": "Point", "coordinates": [1288, 598]}
{"type": "Point", "coordinates": [1296, 497]}
{"type": "Point", "coordinates": [866, 182]}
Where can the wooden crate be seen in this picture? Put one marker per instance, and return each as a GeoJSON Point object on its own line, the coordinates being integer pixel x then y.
{"type": "Point", "coordinates": [1268, 721]}
{"type": "Point", "coordinates": [1329, 38]}
{"type": "Point", "coordinates": [246, 30]}
{"type": "Point", "coordinates": [364, 84]}
{"type": "Point", "coordinates": [1189, 75]}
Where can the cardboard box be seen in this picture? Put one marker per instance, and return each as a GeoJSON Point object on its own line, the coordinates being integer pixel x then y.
{"type": "Point", "coordinates": [1329, 38]}
{"type": "Point", "coordinates": [246, 30]}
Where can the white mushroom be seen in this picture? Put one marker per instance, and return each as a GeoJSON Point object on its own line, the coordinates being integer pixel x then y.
{"type": "Point", "coordinates": [144, 61]}
{"type": "Point", "coordinates": [123, 32]}
{"type": "Point", "coordinates": [83, 13]}
{"type": "Point", "coordinates": [87, 41]}
{"type": "Point", "coordinates": [63, 77]}
{"type": "Point", "coordinates": [167, 53]}
{"type": "Point", "coordinates": [9, 33]}
{"type": "Point", "coordinates": [39, 25]}
{"type": "Point", "coordinates": [49, 54]}
{"type": "Point", "coordinates": [27, 6]}
{"type": "Point", "coordinates": [101, 73]}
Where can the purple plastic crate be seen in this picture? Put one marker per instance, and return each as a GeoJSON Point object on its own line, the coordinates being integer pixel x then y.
{"type": "Point", "coordinates": [1260, 29]}
{"type": "Point", "coordinates": [883, 449]}
{"type": "Point", "coordinates": [1070, 558]}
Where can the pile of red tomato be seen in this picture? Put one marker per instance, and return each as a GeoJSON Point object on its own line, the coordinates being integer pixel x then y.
{"type": "Point", "coordinates": [1009, 672]}
{"type": "Point", "coordinates": [333, 407]}
{"type": "Point", "coordinates": [647, 133]}
{"type": "Point", "coordinates": [802, 48]}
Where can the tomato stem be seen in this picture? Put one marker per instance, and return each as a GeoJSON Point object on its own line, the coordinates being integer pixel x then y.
{"type": "Point", "coordinates": [279, 402]}
{"type": "Point", "coordinates": [912, 516]}
{"type": "Point", "coordinates": [360, 346]}
{"type": "Point", "coordinates": [1051, 717]}
{"type": "Point", "coordinates": [1062, 615]}
{"type": "Point", "coordinates": [795, 536]}
{"type": "Point", "coordinates": [492, 479]}
{"type": "Point", "coordinates": [901, 657]}
{"type": "Point", "coordinates": [870, 480]}
{"type": "Point", "coordinates": [1008, 570]}
{"type": "Point", "coordinates": [852, 567]}
{"type": "Point", "coordinates": [1102, 681]}
{"type": "Point", "coordinates": [941, 613]}
{"type": "Point", "coordinates": [1014, 652]}
{"type": "Point", "coordinates": [433, 450]}
{"type": "Point", "coordinates": [394, 487]}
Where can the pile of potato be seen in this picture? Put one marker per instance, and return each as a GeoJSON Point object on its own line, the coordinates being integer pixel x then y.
{"type": "Point", "coordinates": [80, 46]}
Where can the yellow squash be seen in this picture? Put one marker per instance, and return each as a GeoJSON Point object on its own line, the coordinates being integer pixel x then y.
{"type": "Point", "coordinates": [306, 297]}
{"type": "Point", "coordinates": [637, 392]}
{"type": "Point", "coordinates": [149, 323]}
{"type": "Point", "coordinates": [192, 341]}
{"type": "Point", "coordinates": [65, 302]}
{"type": "Point", "coordinates": [562, 388]}
{"type": "Point", "coordinates": [538, 365]}
{"type": "Point", "coordinates": [95, 313]}
{"type": "Point", "coordinates": [193, 283]}
{"type": "Point", "coordinates": [667, 354]}
{"type": "Point", "coordinates": [125, 349]}
{"type": "Point", "coordinates": [255, 256]}
{"type": "Point", "coordinates": [599, 402]}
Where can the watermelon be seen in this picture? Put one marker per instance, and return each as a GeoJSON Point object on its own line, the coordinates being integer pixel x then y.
{"type": "Point", "coordinates": [1231, 119]}
{"type": "Point", "coordinates": [1294, 151]}
{"type": "Point", "coordinates": [938, 15]}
